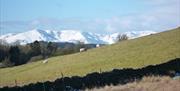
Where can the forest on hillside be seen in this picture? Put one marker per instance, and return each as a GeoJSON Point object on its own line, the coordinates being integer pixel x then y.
{"type": "Point", "coordinates": [13, 55]}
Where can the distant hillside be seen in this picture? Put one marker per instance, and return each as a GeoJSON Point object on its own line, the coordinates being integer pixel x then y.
{"type": "Point", "coordinates": [135, 53]}
{"type": "Point", "coordinates": [68, 36]}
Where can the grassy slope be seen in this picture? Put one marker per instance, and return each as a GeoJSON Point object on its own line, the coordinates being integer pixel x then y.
{"type": "Point", "coordinates": [152, 49]}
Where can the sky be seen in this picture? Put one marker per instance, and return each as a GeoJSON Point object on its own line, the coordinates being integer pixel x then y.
{"type": "Point", "coordinates": [100, 16]}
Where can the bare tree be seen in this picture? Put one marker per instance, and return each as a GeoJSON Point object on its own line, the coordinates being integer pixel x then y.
{"type": "Point", "coordinates": [122, 37]}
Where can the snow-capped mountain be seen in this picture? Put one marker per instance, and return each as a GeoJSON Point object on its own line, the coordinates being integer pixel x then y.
{"type": "Point", "coordinates": [68, 36]}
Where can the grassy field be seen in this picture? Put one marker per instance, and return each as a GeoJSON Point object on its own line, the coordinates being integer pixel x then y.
{"type": "Point", "coordinates": [135, 53]}
{"type": "Point", "coordinates": [146, 84]}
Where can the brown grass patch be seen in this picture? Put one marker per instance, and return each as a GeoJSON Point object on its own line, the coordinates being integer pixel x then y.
{"type": "Point", "coordinates": [150, 83]}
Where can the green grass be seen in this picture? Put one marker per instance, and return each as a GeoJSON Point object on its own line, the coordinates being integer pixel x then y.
{"type": "Point", "coordinates": [135, 53]}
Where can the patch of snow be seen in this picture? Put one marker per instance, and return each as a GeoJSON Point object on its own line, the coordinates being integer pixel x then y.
{"type": "Point", "coordinates": [68, 36]}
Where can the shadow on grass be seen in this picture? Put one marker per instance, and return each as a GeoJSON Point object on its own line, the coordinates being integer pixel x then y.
{"type": "Point", "coordinates": [92, 80]}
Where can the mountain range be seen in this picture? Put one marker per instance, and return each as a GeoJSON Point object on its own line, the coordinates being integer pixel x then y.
{"type": "Point", "coordinates": [68, 36]}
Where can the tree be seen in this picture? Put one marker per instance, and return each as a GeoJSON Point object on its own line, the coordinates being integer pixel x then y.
{"type": "Point", "coordinates": [51, 48]}
{"type": "Point", "coordinates": [79, 45]}
{"type": "Point", "coordinates": [7, 63]}
{"type": "Point", "coordinates": [14, 55]}
{"type": "Point", "coordinates": [3, 52]}
{"type": "Point", "coordinates": [80, 42]}
{"type": "Point", "coordinates": [36, 48]}
{"type": "Point", "coordinates": [122, 37]}
{"type": "Point", "coordinates": [44, 50]}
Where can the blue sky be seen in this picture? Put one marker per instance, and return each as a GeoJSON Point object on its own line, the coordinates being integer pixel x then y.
{"type": "Point", "coordinates": [102, 16]}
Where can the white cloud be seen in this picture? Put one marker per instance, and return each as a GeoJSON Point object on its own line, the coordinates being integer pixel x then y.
{"type": "Point", "coordinates": [160, 15]}
{"type": "Point", "coordinates": [163, 15]}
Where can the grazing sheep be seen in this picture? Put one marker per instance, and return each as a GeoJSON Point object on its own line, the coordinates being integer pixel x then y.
{"type": "Point", "coordinates": [97, 45]}
{"type": "Point", "coordinates": [82, 49]}
{"type": "Point", "coordinates": [45, 61]}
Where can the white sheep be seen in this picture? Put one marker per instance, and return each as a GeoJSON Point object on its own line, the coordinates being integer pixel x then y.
{"type": "Point", "coordinates": [82, 49]}
{"type": "Point", "coordinates": [97, 45]}
{"type": "Point", "coordinates": [45, 61]}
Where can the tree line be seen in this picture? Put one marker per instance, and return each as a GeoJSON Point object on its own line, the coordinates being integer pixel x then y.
{"type": "Point", "coordinates": [13, 55]}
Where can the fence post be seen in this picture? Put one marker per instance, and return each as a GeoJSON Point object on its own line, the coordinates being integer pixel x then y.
{"type": "Point", "coordinates": [63, 81]}
{"type": "Point", "coordinates": [62, 75]}
{"type": "Point", "coordinates": [100, 70]}
{"type": "Point", "coordinates": [15, 82]}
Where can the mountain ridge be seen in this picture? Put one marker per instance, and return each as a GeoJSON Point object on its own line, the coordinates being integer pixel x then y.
{"type": "Point", "coordinates": [68, 36]}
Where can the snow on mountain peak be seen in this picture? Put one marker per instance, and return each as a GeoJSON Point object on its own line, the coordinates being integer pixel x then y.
{"type": "Point", "coordinates": [71, 36]}
{"type": "Point", "coordinates": [135, 34]}
{"type": "Point", "coordinates": [68, 36]}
